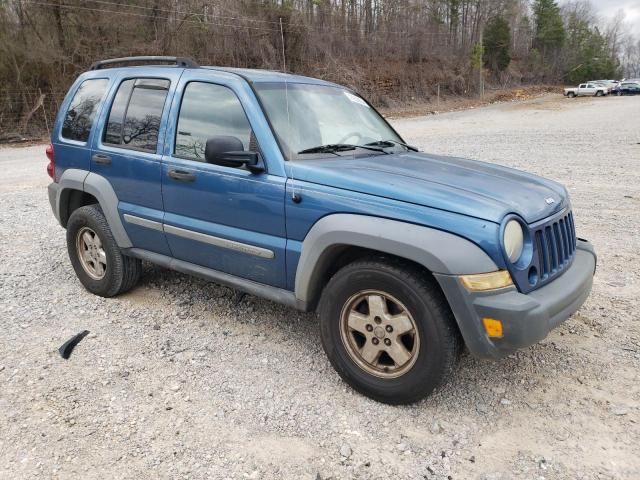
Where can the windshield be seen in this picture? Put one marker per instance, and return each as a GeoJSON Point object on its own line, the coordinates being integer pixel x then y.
{"type": "Point", "coordinates": [324, 116]}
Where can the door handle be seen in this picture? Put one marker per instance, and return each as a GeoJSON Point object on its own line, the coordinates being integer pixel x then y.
{"type": "Point", "coordinates": [182, 176]}
{"type": "Point", "coordinates": [101, 159]}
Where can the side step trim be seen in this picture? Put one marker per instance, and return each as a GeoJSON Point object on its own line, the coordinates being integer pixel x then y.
{"type": "Point", "coordinates": [274, 294]}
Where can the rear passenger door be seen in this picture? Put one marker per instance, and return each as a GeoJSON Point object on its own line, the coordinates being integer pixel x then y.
{"type": "Point", "coordinates": [221, 217]}
{"type": "Point", "coordinates": [127, 154]}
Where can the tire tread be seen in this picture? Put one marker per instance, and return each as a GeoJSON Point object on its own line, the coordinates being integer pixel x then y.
{"type": "Point", "coordinates": [430, 292]}
{"type": "Point", "coordinates": [124, 271]}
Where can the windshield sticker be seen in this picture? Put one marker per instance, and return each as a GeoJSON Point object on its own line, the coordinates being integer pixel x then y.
{"type": "Point", "coordinates": [356, 99]}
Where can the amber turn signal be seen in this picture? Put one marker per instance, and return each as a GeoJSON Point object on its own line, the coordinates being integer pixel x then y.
{"type": "Point", "coordinates": [493, 327]}
{"type": "Point", "coordinates": [487, 281]}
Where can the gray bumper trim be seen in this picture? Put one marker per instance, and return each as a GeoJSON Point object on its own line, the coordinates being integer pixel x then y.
{"type": "Point", "coordinates": [526, 319]}
{"type": "Point", "coordinates": [54, 191]}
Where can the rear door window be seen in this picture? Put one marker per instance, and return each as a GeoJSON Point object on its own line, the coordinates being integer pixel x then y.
{"type": "Point", "coordinates": [134, 119]}
{"type": "Point", "coordinates": [79, 118]}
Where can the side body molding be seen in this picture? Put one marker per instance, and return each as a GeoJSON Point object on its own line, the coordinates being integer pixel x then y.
{"type": "Point", "coordinates": [438, 251]}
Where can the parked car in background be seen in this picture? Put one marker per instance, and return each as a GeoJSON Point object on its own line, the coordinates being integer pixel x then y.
{"type": "Point", "coordinates": [587, 90]}
{"type": "Point", "coordinates": [601, 83]}
{"type": "Point", "coordinates": [609, 84]}
{"type": "Point", "coordinates": [628, 88]}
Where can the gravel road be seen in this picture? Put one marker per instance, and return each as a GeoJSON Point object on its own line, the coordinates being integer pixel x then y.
{"type": "Point", "coordinates": [175, 381]}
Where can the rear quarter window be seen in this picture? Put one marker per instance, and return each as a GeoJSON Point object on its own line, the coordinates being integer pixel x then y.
{"type": "Point", "coordinates": [79, 118]}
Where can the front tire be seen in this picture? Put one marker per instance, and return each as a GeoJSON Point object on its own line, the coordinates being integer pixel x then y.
{"type": "Point", "coordinates": [388, 330]}
{"type": "Point", "coordinates": [95, 256]}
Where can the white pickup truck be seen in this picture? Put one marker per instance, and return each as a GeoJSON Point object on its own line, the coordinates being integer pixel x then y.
{"type": "Point", "coordinates": [586, 90]}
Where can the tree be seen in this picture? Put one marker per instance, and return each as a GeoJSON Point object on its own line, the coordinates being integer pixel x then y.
{"type": "Point", "coordinates": [593, 59]}
{"type": "Point", "coordinates": [390, 50]}
{"type": "Point", "coordinates": [550, 33]}
{"type": "Point", "coordinates": [589, 54]}
{"type": "Point", "coordinates": [497, 41]}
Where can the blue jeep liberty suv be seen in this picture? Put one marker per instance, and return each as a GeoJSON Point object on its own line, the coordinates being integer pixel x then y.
{"type": "Point", "coordinates": [297, 190]}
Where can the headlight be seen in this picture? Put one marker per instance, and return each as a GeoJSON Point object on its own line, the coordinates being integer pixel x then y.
{"type": "Point", "coordinates": [513, 240]}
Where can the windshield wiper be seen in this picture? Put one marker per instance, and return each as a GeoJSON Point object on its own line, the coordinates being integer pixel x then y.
{"type": "Point", "coordinates": [340, 147]}
{"type": "Point", "coordinates": [391, 143]}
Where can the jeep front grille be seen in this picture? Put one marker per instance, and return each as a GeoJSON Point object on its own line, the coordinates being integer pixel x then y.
{"type": "Point", "coordinates": [555, 246]}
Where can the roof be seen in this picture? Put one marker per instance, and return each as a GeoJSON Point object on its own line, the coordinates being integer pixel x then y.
{"type": "Point", "coordinates": [255, 75]}
{"type": "Point", "coordinates": [251, 75]}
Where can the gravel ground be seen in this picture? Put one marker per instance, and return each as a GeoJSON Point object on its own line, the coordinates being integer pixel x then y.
{"type": "Point", "coordinates": [175, 381]}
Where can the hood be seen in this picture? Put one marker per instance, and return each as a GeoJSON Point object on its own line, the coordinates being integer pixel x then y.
{"type": "Point", "coordinates": [469, 187]}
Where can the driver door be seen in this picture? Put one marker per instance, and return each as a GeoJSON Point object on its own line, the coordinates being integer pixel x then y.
{"type": "Point", "coordinates": [220, 217]}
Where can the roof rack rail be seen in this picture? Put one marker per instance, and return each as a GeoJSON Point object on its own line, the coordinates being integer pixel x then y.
{"type": "Point", "coordinates": [185, 62]}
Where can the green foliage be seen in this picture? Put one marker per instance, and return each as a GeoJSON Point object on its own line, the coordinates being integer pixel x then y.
{"type": "Point", "coordinates": [550, 33]}
{"type": "Point", "coordinates": [477, 52]}
{"type": "Point", "coordinates": [592, 58]}
{"type": "Point", "coordinates": [496, 44]}
{"type": "Point", "coordinates": [534, 61]}
{"type": "Point", "coordinates": [589, 54]}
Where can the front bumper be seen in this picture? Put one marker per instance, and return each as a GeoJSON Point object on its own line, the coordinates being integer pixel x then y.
{"type": "Point", "coordinates": [526, 319]}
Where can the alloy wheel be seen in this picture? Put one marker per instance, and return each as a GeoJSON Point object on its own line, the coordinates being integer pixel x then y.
{"type": "Point", "coordinates": [379, 334]}
{"type": "Point", "coordinates": [92, 256]}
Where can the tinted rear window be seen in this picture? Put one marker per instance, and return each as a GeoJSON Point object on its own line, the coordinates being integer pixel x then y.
{"type": "Point", "coordinates": [135, 115]}
{"type": "Point", "coordinates": [82, 111]}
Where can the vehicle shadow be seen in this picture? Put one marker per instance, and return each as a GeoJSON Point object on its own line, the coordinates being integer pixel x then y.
{"type": "Point", "coordinates": [476, 388]}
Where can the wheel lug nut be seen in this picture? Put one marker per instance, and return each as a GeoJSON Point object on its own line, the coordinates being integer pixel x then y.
{"type": "Point", "coordinates": [378, 320]}
{"type": "Point", "coordinates": [387, 342]}
{"type": "Point", "coordinates": [389, 328]}
{"type": "Point", "coordinates": [375, 341]}
{"type": "Point", "coordinates": [369, 328]}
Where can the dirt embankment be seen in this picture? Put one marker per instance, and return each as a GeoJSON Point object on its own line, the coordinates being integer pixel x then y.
{"type": "Point", "coordinates": [451, 103]}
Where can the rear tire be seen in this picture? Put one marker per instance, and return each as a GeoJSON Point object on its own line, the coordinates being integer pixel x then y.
{"type": "Point", "coordinates": [405, 341]}
{"type": "Point", "coordinates": [95, 256]}
{"type": "Point", "coordinates": [599, 93]}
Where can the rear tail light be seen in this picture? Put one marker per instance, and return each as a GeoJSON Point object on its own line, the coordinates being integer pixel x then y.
{"type": "Point", "coordinates": [51, 166]}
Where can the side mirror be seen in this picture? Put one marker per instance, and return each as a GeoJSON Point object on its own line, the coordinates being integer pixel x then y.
{"type": "Point", "coordinates": [228, 151]}
{"type": "Point", "coordinates": [241, 158]}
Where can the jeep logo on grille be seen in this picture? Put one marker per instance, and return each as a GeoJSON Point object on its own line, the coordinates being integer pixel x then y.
{"type": "Point", "coordinates": [549, 200]}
